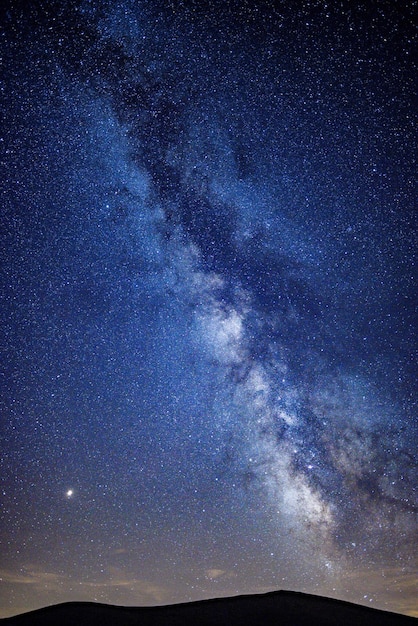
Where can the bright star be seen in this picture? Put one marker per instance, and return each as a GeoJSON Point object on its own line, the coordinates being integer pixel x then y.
{"type": "Point", "coordinates": [69, 493]}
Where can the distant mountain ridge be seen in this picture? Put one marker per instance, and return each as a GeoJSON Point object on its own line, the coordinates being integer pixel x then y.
{"type": "Point", "coordinates": [278, 608]}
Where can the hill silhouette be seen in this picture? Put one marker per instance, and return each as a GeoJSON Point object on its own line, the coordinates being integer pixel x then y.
{"type": "Point", "coordinates": [279, 608]}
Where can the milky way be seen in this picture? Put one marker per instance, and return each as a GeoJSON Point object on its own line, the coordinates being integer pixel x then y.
{"type": "Point", "coordinates": [208, 310]}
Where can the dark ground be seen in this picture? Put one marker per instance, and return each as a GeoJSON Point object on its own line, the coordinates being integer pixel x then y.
{"type": "Point", "coordinates": [282, 608]}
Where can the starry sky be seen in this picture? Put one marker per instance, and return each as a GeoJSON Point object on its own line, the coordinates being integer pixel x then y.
{"type": "Point", "coordinates": [208, 301]}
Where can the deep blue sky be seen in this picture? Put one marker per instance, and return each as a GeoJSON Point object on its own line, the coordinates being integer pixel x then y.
{"type": "Point", "coordinates": [208, 301]}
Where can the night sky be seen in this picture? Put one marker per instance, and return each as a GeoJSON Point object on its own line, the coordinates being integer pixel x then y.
{"type": "Point", "coordinates": [208, 323]}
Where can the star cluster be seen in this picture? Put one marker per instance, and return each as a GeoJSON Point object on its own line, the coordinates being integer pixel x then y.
{"type": "Point", "coordinates": [208, 301]}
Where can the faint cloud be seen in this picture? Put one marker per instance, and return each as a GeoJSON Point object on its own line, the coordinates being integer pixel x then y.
{"type": "Point", "coordinates": [214, 573]}
{"type": "Point", "coordinates": [120, 551]}
{"type": "Point", "coordinates": [117, 587]}
{"type": "Point", "coordinates": [32, 576]}
{"type": "Point", "coordinates": [139, 590]}
{"type": "Point", "coordinates": [387, 588]}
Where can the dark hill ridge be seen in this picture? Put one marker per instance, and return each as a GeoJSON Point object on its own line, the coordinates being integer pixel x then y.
{"type": "Point", "coordinates": [278, 608]}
